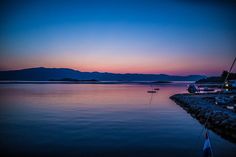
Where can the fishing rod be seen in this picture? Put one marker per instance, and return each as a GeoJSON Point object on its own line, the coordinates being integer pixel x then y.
{"type": "Point", "coordinates": [222, 86]}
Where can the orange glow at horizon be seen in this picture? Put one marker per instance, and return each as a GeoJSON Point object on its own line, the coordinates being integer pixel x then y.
{"type": "Point", "coordinates": [119, 64]}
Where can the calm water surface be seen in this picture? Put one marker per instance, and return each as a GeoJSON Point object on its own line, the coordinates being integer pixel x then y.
{"type": "Point", "coordinates": [99, 120]}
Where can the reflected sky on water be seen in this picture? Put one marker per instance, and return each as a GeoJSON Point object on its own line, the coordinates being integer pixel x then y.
{"type": "Point", "coordinates": [99, 120]}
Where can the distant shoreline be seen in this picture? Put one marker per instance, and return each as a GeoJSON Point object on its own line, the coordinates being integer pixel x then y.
{"type": "Point", "coordinates": [94, 82]}
{"type": "Point", "coordinates": [64, 74]}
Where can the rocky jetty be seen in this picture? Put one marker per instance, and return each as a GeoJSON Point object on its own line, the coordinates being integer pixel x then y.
{"type": "Point", "coordinates": [200, 106]}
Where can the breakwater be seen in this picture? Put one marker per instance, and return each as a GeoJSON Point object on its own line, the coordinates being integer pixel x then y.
{"type": "Point", "coordinates": [200, 106]}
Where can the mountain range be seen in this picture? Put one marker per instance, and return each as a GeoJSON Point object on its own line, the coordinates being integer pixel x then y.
{"type": "Point", "coordinates": [46, 74]}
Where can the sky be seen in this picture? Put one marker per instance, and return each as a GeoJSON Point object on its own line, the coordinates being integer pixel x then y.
{"type": "Point", "coordinates": [121, 36]}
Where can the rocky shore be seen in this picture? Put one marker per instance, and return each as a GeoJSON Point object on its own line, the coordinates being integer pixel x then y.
{"type": "Point", "coordinates": [200, 106]}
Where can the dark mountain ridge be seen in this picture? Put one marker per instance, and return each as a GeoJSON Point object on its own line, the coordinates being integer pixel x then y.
{"type": "Point", "coordinates": [45, 74]}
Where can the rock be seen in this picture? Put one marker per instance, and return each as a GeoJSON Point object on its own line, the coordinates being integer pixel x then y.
{"type": "Point", "coordinates": [221, 120]}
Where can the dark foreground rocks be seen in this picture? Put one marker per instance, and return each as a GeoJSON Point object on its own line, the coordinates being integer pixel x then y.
{"type": "Point", "coordinates": [221, 120]}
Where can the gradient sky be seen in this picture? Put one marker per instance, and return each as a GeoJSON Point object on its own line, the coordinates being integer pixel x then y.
{"type": "Point", "coordinates": [174, 37]}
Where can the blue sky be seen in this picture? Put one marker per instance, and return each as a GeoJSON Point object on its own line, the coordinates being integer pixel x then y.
{"type": "Point", "coordinates": [173, 37]}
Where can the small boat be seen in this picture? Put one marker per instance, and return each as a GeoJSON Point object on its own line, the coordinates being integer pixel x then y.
{"type": "Point", "coordinates": [151, 91]}
{"type": "Point", "coordinates": [208, 89]}
{"type": "Point", "coordinates": [192, 88]}
{"type": "Point", "coordinates": [156, 89]}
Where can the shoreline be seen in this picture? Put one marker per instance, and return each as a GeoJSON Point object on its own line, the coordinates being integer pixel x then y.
{"type": "Point", "coordinates": [94, 82]}
{"type": "Point", "coordinates": [222, 121]}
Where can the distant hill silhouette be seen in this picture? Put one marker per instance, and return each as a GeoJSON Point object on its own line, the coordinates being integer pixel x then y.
{"type": "Point", "coordinates": [45, 74]}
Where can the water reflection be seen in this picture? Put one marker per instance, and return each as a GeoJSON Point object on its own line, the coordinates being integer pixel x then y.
{"type": "Point", "coordinates": [104, 120]}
